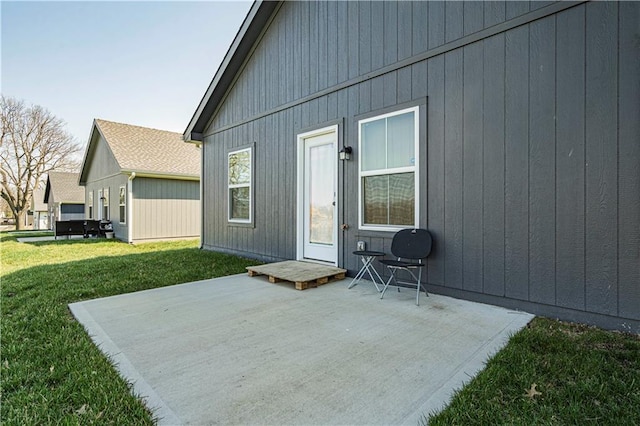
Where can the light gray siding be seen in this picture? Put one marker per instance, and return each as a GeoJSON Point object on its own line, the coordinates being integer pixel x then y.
{"type": "Point", "coordinates": [530, 161]}
{"type": "Point", "coordinates": [112, 183]}
{"type": "Point", "coordinates": [102, 163]}
{"type": "Point", "coordinates": [165, 208]}
{"type": "Point", "coordinates": [161, 208]}
{"type": "Point", "coordinates": [104, 172]}
{"type": "Point", "coordinates": [68, 211]}
{"type": "Point", "coordinates": [57, 212]}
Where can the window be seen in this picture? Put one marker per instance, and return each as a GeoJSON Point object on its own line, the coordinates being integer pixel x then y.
{"type": "Point", "coordinates": [240, 198]}
{"type": "Point", "coordinates": [90, 204]}
{"type": "Point", "coordinates": [100, 198]}
{"type": "Point", "coordinates": [388, 190]}
{"type": "Point", "coordinates": [123, 204]}
{"type": "Point", "coordinates": [75, 209]}
{"type": "Point", "coordinates": [105, 204]}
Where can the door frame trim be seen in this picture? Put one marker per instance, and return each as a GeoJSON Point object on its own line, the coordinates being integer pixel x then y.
{"type": "Point", "coordinates": [300, 138]}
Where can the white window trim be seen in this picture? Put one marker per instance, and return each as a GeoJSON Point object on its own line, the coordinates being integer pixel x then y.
{"type": "Point", "coordinates": [415, 169]}
{"type": "Point", "coordinates": [90, 204]}
{"type": "Point", "coordinates": [243, 185]}
{"type": "Point", "coordinates": [122, 187]}
{"type": "Point", "coordinates": [106, 193]}
{"type": "Point", "coordinates": [100, 209]}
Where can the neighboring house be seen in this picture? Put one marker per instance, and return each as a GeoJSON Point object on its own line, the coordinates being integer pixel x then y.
{"type": "Point", "coordinates": [509, 129]}
{"type": "Point", "coordinates": [145, 181]}
{"type": "Point", "coordinates": [40, 210]}
{"type": "Point", "coordinates": [64, 197]}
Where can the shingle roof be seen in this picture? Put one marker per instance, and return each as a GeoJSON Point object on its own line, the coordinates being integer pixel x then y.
{"type": "Point", "coordinates": [143, 149]}
{"type": "Point", "coordinates": [64, 186]}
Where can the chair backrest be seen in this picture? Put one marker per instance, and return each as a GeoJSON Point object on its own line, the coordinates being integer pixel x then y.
{"type": "Point", "coordinates": [411, 244]}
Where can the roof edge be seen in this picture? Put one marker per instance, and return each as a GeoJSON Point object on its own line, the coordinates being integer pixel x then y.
{"type": "Point", "coordinates": [160, 175]}
{"type": "Point", "coordinates": [249, 32]}
{"type": "Point", "coordinates": [47, 190]}
{"type": "Point", "coordinates": [82, 180]}
{"type": "Point", "coordinates": [196, 138]}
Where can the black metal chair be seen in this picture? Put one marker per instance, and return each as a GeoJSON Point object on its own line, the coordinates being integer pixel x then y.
{"type": "Point", "coordinates": [410, 247]}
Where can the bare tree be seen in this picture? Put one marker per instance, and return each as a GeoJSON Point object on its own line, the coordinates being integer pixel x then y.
{"type": "Point", "coordinates": [34, 142]}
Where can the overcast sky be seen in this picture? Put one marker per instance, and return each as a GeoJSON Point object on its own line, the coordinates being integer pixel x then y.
{"type": "Point", "coordinates": [144, 63]}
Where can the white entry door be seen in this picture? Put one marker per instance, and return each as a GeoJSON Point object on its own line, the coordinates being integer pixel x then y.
{"type": "Point", "coordinates": [317, 196]}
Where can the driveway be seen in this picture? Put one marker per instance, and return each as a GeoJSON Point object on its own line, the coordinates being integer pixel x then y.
{"type": "Point", "coordinates": [239, 350]}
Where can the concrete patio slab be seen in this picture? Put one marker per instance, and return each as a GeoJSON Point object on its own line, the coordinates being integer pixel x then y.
{"type": "Point", "coordinates": [239, 350]}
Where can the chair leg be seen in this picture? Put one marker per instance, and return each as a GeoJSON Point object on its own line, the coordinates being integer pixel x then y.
{"type": "Point", "coordinates": [392, 277]}
{"type": "Point", "coordinates": [418, 287]}
{"type": "Point", "coordinates": [418, 283]}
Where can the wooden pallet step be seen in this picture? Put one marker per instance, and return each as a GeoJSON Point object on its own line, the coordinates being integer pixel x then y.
{"type": "Point", "coordinates": [302, 274]}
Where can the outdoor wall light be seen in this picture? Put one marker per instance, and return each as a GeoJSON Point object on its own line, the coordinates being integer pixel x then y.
{"type": "Point", "coordinates": [345, 153]}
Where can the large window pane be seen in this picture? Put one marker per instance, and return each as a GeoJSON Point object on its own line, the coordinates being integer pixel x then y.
{"type": "Point", "coordinates": [389, 199]}
{"type": "Point", "coordinates": [376, 195]}
{"type": "Point", "coordinates": [402, 199]}
{"type": "Point", "coordinates": [240, 168]}
{"type": "Point", "coordinates": [239, 200]}
{"type": "Point", "coordinates": [401, 149]}
{"type": "Point", "coordinates": [373, 145]}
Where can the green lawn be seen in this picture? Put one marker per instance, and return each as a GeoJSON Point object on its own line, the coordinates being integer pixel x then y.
{"type": "Point", "coordinates": [53, 374]}
{"type": "Point", "coordinates": [582, 376]}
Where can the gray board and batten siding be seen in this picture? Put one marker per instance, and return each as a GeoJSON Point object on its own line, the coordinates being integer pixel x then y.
{"type": "Point", "coordinates": [161, 207]}
{"type": "Point", "coordinates": [63, 197]}
{"type": "Point", "coordinates": [529, 141]}
{"type": "Point", "coordinates": [100, 162]}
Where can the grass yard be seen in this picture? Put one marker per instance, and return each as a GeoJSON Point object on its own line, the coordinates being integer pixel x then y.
{"type": "Point", "coordinates": [554, 373]}
{"type": "Point", "coordinates": [51, 373]}
{"type": "Point", "coordinates": [550, 373]}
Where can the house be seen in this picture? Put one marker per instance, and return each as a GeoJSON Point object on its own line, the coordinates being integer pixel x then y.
{"type": "Point", "coordinates": [64, 197]}
{"type": "Point", "coordinates": [509, 129]}
{"type": "Point", "coordinates": [40, 210]}
{"type": "Point", "coordinates": [145, 181]}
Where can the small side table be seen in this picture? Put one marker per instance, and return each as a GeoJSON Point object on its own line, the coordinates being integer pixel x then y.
{"type": "Point", "coordinates": [367, 257]}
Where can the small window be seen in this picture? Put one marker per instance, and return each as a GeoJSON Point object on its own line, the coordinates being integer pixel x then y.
{"type": "Point", "coordinates": [388, 190]}
{"type": "Point", "coordinates": [100, 198]}
{"type": "Point", "coordinates": [123, 204]}
{"type": "Point", "coordinates": [90, 204]}
{"type": "Point", "coordinates": [105, 204]}
{"type": "Point", "coordinates": [239, 183]}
